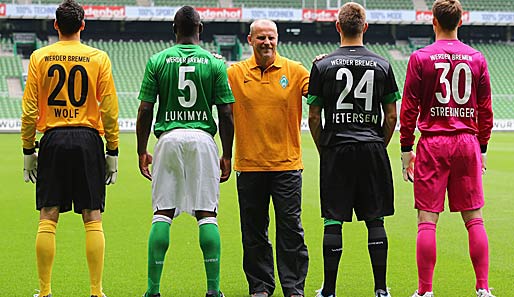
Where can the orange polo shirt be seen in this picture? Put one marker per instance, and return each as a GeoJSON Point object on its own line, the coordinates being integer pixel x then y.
{"type": "Point", "coordinates": [268, 114]}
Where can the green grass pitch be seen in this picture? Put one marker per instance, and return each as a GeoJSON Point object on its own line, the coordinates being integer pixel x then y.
{"type": "Point", "coordinates": [128, 217]}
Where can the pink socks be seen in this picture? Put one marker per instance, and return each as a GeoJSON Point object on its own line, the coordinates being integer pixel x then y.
{"type": "Point", "coordinates": [479, 251]}
{"type": "Point", "coordinates": [425, 256]}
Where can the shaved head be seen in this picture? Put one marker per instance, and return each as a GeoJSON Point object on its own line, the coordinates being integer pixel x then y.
{"type": "Point", "coordinates": [260, 23]}
{"type": "Point", "coordinates": [187, 21]}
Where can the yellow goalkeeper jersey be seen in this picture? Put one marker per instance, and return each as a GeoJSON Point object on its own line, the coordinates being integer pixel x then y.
{"type": "Point", "coordinates": [69, 84]}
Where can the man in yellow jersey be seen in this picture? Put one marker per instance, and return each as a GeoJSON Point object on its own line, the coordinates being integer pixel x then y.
{"type": "Point", "coordinates": [267, 113]}
{"type": "Point", "coordinates": [70, 97]}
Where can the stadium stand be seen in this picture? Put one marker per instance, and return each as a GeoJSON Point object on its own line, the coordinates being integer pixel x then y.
{"type": "Point", "coordinates": [91, 2]}
{"type": "Point", "coordinates": [390, 4]}
{"type": "Point", "coordinates": [269, 3]}
{"type": "Point", "coordinates": [129, 60]}
{"type": "Point", "coordinates": [197, 3]}
{"type": "Point", "coordinates": [469, 5]}
{"type": "Point", "coordinates": [10, 66]}
{"type": "Point", "coordinates": [481, 5]}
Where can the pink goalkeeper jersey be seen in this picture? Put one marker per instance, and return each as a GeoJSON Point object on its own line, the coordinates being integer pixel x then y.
{"type": "Point", "coordinates": [448, 86]}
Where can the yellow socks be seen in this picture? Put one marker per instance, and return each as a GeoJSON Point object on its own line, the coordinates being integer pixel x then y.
{"type": "Point", "coordinates": [45, 253]}
{"type": "Point", "coordinates": [95, 246]}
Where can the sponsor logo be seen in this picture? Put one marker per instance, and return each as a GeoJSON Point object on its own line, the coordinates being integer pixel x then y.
{"type": "Point", "coordinates": [2, 9]}
{"type": "Point", "coordinates": [319, 15]}
{"type": "Point", "coordinates": [94, 11]}
{"type": "Point", "coordinates": [426, 16]}
{"type": "Point", "coordinates": [220, 13]}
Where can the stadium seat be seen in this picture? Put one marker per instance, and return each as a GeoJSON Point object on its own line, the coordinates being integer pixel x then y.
{"type": "Point", "coordinates": [481, 5]}
{"type": "Point", "coordinates": [129, 60]}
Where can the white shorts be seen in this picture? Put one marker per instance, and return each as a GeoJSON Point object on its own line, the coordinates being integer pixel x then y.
{"type": "Point", "coordinates": [185, 172]}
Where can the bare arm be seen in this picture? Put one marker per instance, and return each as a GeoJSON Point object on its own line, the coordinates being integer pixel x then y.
{"type": "Point", "coordinates": [315, 124]}
{"type": "Point", "coordinates": [390, 118]}
{"type": "Point", "coordinates": [226, 128]}
{"type": "Point", "coordinates": [143, 128]}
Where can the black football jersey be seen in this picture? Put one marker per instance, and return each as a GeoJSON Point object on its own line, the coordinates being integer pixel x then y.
{"type": "Point", "coordinates": [351, 84]}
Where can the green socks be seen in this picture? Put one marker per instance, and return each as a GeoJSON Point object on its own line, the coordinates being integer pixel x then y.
{"type": "Point", "coordinates": [211, 247]}
{"type": "Point", "coordinates": [157, 246]}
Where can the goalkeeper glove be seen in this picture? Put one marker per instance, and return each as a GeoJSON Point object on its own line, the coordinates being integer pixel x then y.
{"type": "Point", "coordinates": [408, 159]}
{"type": "Point", "coordinates": [484, 163]}
{"type": "Point", "coordinates": [30, 167]}
{"type": "Point", "coordinates": [111, 169]}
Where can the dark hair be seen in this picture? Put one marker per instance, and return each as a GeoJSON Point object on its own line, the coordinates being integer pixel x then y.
{"type": "Point", "coordinates": [186, 21]}
{"type": "Point", "coordinates": [448, 13]}
{"type": "Point", "coordinates": [352, 18]}
{"type": "Point", "coordinates": [69, 16]}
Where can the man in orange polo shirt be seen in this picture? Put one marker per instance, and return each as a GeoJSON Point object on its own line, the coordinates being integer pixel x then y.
{"type": "Point", "coordinates": [267, 113]}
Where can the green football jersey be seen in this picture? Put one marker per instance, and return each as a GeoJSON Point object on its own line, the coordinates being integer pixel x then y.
{"type": "Point", "coordinates": [188, 81]}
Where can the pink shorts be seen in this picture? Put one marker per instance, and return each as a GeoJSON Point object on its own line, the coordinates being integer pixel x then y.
{"type": "Point", "coordinates": [450, 162]}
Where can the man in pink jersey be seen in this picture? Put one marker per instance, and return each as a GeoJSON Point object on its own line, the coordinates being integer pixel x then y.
{"type": "Point", "coordinates": [447, 90]}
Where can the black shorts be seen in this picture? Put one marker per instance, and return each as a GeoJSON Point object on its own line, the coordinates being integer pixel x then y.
{"type": "Point", "coordinates": [71, 169]}
{"type": "Point", "coordinates": [356, 176]}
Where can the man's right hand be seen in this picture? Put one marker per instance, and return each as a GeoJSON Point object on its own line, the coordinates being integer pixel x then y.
{"type": "Point", "coordinates": [145, 160]}
{"type": "Point", "coordinates": [408, 159]}
{"type": "Point", "coordinates": [30, 168]}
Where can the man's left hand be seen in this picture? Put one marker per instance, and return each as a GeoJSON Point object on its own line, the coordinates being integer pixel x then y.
{"type": "Point", "coordinates": [484, 163]}
{"type": "Point", "coordinates": [30, 168]}
{"type": "Point", "coordinates": [226, 168]}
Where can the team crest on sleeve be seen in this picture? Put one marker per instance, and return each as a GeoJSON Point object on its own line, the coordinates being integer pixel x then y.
{"type": "Point", "coordinates": [284, 82]}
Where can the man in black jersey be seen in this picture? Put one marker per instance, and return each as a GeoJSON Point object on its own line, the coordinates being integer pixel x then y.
{"type": "Point", "coordinates": [353, 86]}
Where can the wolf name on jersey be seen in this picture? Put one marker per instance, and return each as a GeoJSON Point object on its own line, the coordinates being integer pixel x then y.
{"type": "Point", "coordinates": [188, 80]}
{"type": "Point", "coordinates": [351, 84]}
{"type": "Point", "coordinates": [70, 84]}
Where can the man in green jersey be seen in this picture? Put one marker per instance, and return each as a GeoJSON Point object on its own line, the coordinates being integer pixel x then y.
{"type": "Point", "coordinates": [185, 176]}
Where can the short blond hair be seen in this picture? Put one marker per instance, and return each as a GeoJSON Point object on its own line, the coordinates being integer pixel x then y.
{"type": "Point", "coordinates": [352, 18]}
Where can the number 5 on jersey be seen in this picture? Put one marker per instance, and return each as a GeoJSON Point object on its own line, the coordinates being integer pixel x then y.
{"type": "Point", "coordinates": [183, 83]}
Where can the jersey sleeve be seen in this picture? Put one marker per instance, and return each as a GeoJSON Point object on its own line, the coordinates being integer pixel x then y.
{"type": "Point", "coordinates": [108, 104]}
{"type": "Point", "coordinates": [314, 81]}
{"type": "Point", "coordinates": [410, 102]}
{"type": "Point", "coordinates": [304, 79]}
{"type": "Point", "coordinates": [222, 92]}
{"type": "Point", "coordinates": [149, 87]}
{"type": "Point", "coordinates": [30, 106]}
{"type": "Point", "coordinates": [315, 100]}
{"type": "Point", "coordinates": [485, 110]}
{"type": "Point", "coordinates": [391, 93]}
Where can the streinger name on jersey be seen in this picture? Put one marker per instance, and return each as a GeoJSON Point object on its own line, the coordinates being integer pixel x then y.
{"type": "Point", "coordinates": [446, 111]}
